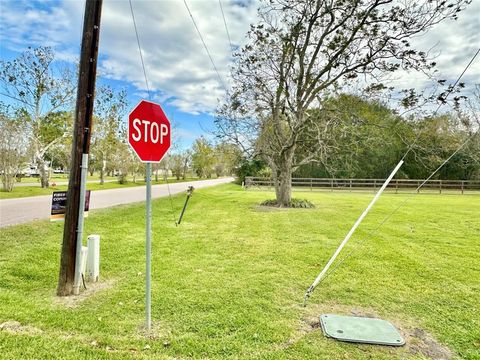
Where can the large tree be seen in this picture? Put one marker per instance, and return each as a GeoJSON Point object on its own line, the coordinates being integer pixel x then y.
{"type": "Point", "coordinates": [301, 50]}
{"type": "Point", "coordinates": [39, 88]}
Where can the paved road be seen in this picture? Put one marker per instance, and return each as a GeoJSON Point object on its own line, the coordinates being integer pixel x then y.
{"type": "Point", "coordinates": [22, 210]}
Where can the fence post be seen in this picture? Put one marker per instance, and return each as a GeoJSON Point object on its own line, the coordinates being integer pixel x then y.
{"type": "Point", "coordinates": [440, 186]}
{"type": "Point", "coordinates": [311, 184]}
{"type": "Point", "coordinates": [350, 185]}
{"type": "Point", "coordinates": [331, 184]}
{"type": "Point", "coordinates": [418, 187]}
{"type": "Point", "coordinates": [462, 187]}
{"type": "Point", "coordinates": [396, 186]}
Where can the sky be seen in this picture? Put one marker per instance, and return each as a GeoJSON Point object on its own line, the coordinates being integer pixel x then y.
{"type": "Point", "coordinates": [180, 74]}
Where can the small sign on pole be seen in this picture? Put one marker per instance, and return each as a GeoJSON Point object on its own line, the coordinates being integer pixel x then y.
{"type": "Point", "coordinates": [59, 205]}
{"type": "Point", "coordinates": [149, 136]}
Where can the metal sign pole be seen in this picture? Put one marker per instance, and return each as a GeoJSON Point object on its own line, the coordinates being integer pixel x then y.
{"type": "Point", "coordinates": [148, 298]}
{"type": "Point", "coordinates": [81, 215]}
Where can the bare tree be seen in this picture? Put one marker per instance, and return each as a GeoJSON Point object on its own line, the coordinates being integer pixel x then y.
{"type": "Point", "coordinates": [299, 52]}
{"type": "Point", "coordinates": [39, 89]}
{"type": "Point", "coordinates": [13, 149]}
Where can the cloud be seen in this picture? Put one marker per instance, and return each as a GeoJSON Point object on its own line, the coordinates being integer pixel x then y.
{"type": "Point", "coordinates": [178, 68]}
{"type": "Point", "coordinates": [176, 62]}
{"type": "Point", "coordinates": [31, 23]}
{"type": "Point", "coordinates": [451, 44]}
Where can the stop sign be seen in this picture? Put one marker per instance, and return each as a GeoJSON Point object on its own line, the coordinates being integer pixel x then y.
{"type": "Point", "coordinates": [149, 131]}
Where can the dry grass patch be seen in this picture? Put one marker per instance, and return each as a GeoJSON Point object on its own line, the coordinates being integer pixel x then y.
{"type": "Point", "coordinates": [417, 340]}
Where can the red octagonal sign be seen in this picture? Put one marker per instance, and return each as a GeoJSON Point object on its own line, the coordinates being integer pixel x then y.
{"type": "Point", "coordinates": [149, 131]}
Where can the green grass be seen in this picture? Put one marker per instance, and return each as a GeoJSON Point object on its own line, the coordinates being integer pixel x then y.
{"type": "Point", "coordinates": [64, 177]}
{"type": "Point", "coordinates": [229, 281]}
{"type": "Point", "coordinates": [26, 191]}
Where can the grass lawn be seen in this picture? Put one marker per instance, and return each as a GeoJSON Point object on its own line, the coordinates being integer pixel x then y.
{"type": "Point", "coordinates": [229, 281]}
{"type": "Point", "coordinates": [26, 191]}
{"type": "Point", "coordinates": [64, 177]}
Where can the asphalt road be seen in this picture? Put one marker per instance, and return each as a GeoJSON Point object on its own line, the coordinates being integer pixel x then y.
{"type": "Point", "coordinates": [22, 210]}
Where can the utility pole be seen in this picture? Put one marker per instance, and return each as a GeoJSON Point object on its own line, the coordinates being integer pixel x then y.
{"type": "Point", "coordinates": [81, 145]}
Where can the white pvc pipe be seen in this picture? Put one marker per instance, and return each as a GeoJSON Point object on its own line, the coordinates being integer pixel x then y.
{"type": "Point", "coordinates": [352, 230]}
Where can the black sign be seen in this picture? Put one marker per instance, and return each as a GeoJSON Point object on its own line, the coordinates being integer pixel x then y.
{"type": "Point", "coordinates": [59, 204]}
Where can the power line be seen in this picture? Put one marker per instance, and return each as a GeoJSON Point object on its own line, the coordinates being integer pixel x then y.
{"type": "Point", "coordinates": [149, 96]}
{"type": "Point", "coordinates": [445, 98]}
{"type": "Point", "coordinates": [205, 46]}
{"type": "Point", "coordinates": [140, 50]}
{"type": "Point", "coordinates": [458, 79]}
{"type": "Point", "coordinates": [226, 27]}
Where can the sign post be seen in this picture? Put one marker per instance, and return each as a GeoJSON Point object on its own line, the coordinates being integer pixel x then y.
{"type": "Point", "coordinates": [149, 136]}
{"type": "Point", "coordinates": [148, 245]}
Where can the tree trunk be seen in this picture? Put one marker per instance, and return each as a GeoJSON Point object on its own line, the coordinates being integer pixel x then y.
{"type": "Point", "coordinates": [7, 181]}
{"type": "Point", "coordinates": [102, 172]}
{"type": "Point", "coordinates": [282, 177]}
{"type": "Point", "coordinates": [185, 165]}
{"type": "Point", "coordinates": [44, 174]}
{"type": "Point", "coordinates": [283, 187]}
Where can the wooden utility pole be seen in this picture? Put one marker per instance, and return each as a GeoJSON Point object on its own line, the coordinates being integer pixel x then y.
{"type": "Point", "coordinates": [81, 141]}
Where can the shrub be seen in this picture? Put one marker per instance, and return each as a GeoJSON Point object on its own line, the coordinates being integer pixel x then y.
{"type": "Point", "coordinates": [294, 203]}
{"type": "Point", "coordinates": [249, 168]}
{"type": "Point", "coordinates": [122, 178]}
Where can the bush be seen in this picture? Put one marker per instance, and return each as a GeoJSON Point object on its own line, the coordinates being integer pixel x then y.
{"type": "Point", "coordinates": [122, 179]}
{"type": "Point", "coordinates": [249, 168]}
{"type": "Point", "coordinates": [294, 203]}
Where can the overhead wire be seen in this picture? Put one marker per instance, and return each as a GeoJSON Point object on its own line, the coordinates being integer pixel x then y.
{"type": "Point", "coordinates": [226, 27]}
{"type": "Point", "coordinates": [140, 50]}
{"type": "Point", "coordinates": [205, 46]}
{"type": "Point", "coordinates": [441, 103]}
{"type": "Point", "coordinates": [149, 94]}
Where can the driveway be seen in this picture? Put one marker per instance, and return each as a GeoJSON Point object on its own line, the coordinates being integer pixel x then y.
{"type": "Point", "coordinates": [22, 210]}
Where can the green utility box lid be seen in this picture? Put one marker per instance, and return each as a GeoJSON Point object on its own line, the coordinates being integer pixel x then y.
{"type": "Point", "coordinates": [360, 330]}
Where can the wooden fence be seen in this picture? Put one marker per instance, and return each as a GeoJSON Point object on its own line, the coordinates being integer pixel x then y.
{"type": "Point", "coordinates": [396, 185]}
